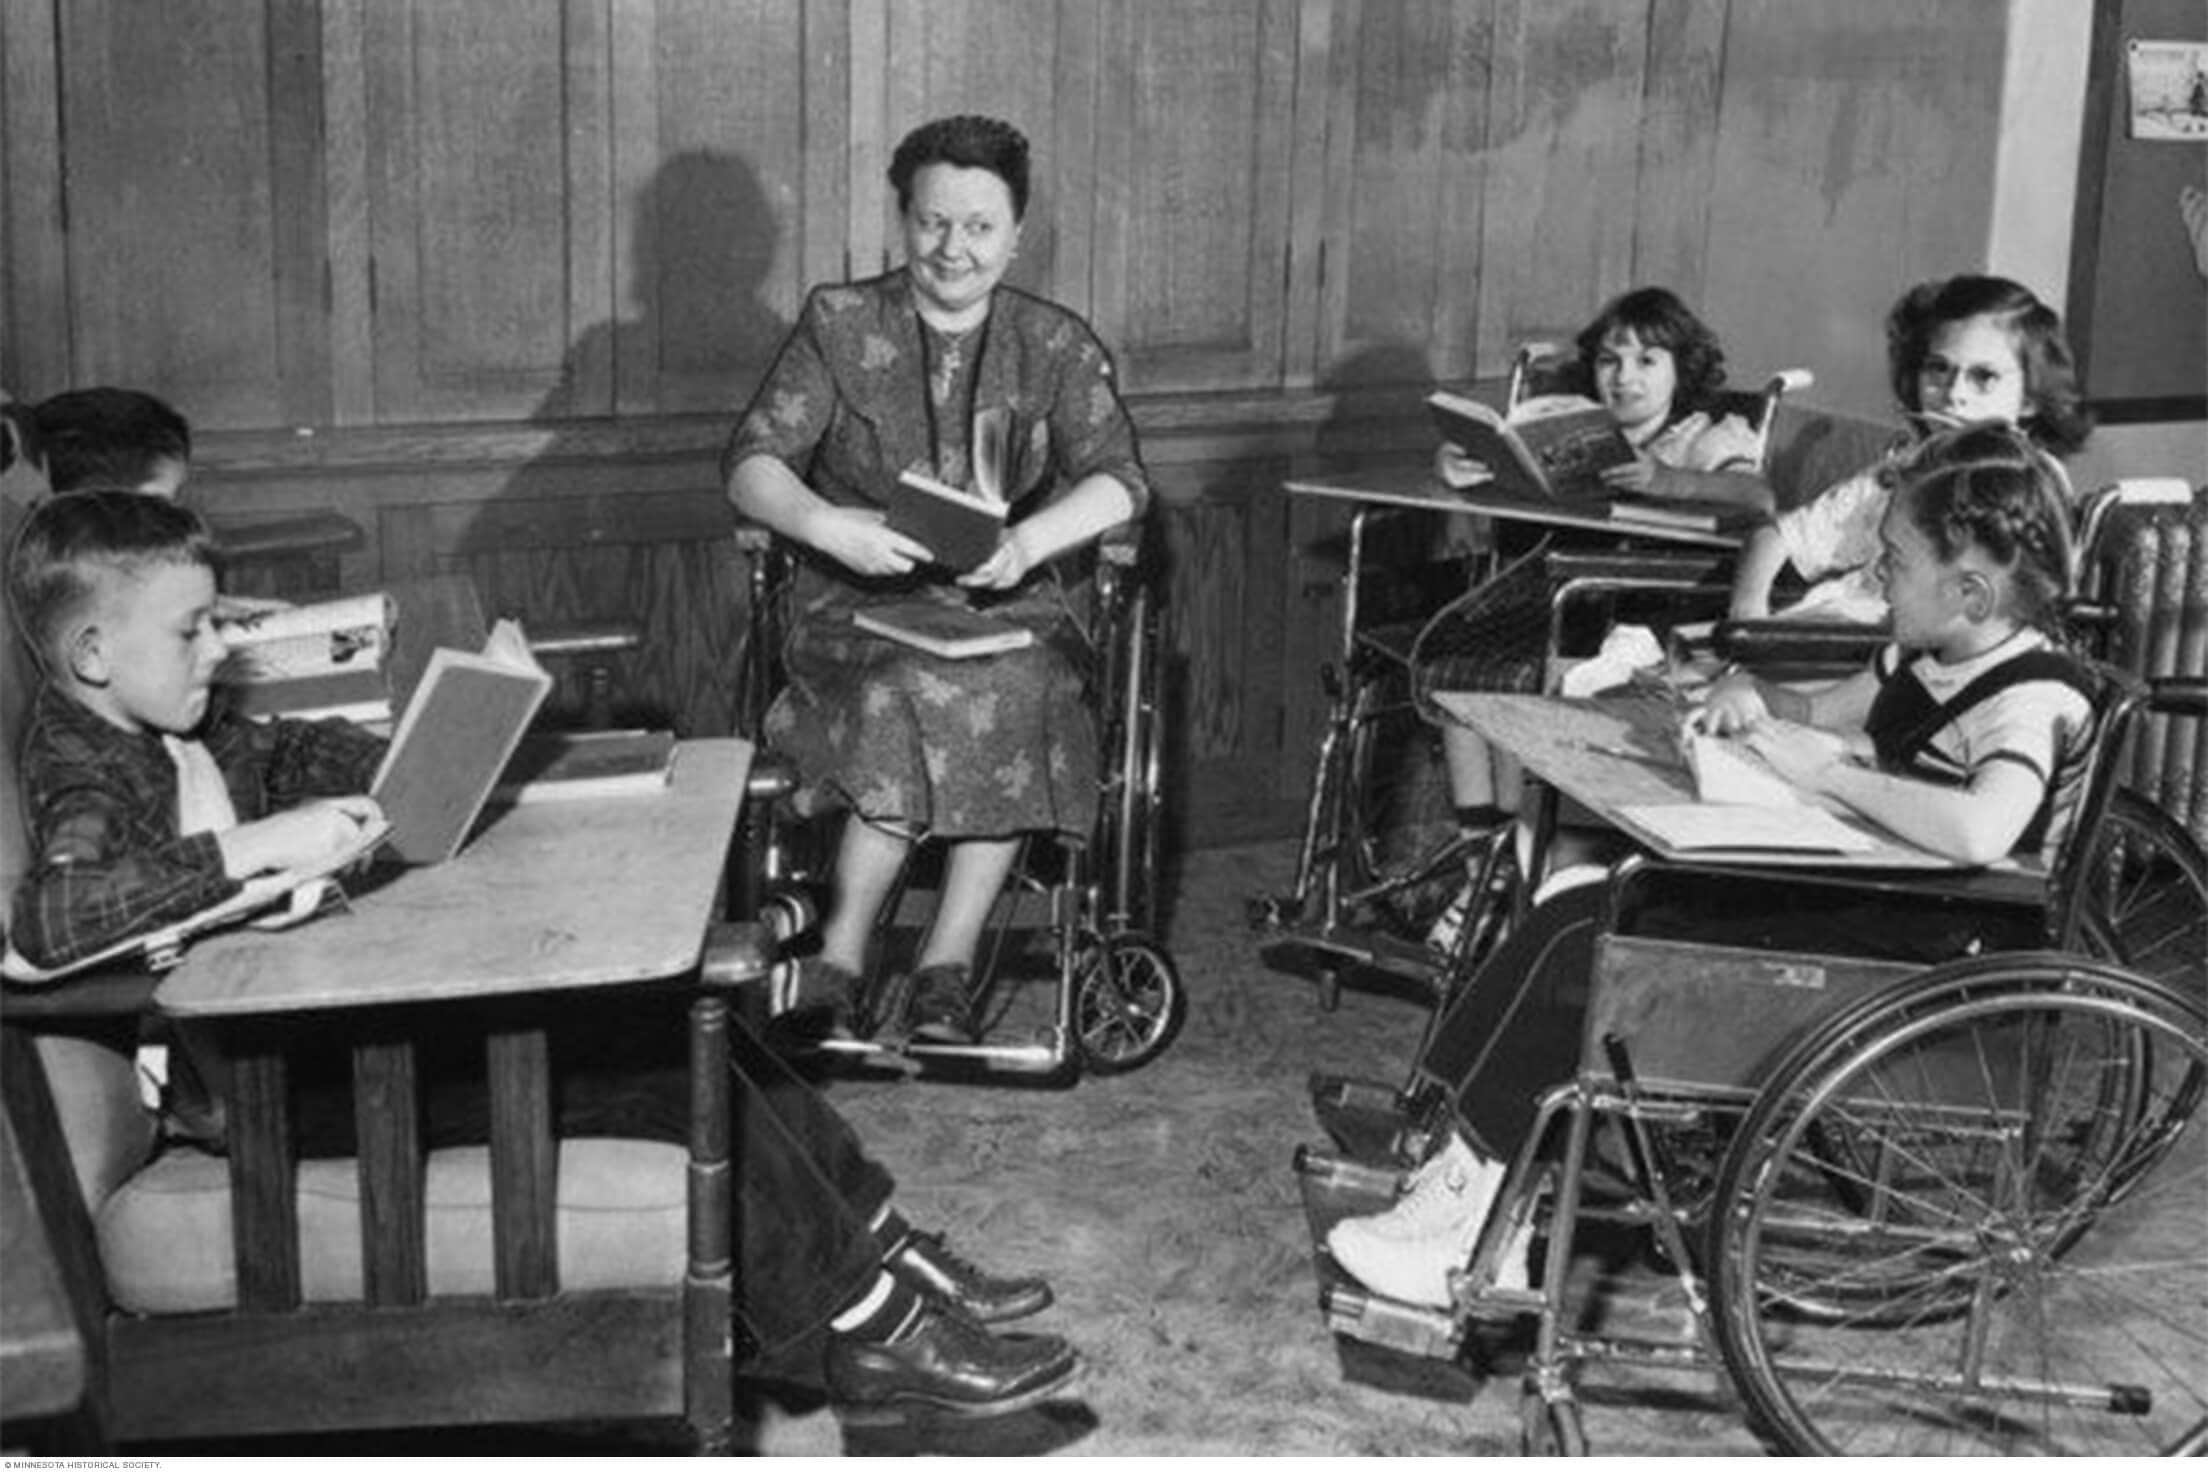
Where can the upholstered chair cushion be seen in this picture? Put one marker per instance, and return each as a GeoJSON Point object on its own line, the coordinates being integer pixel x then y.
{"type": "Point", "coordinates": [165, 1236]}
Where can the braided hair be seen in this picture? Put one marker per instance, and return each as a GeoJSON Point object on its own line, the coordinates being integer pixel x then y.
{"type": "Point", "coordinates": [1989, 486]}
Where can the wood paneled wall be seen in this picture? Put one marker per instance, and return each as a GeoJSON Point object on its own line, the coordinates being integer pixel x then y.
{"type": "Point", "coordinates": [492, 276]}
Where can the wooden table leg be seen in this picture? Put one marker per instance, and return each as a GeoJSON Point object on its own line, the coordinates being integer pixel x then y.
{"type": "Point", "coordinates": [524, 1164]}
{"type": "Point", "coordinates": [387, 1111]}
{"type": "Point", "coordinates": [264, 1185]}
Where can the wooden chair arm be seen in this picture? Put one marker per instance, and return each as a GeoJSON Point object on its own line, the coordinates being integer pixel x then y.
{"type": "Point", "coordinates": [739, 953]}
{"type": "Point", "coordinates": [119, 993]}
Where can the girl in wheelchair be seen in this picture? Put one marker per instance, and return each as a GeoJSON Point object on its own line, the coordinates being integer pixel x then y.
{"type": "Point", "coordinates": [1966, 737]}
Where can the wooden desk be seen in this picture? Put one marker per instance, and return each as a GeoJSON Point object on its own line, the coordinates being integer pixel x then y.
{"type": "Point", "coordinates": [41, 1353]}
{"type": "Point", "coordinates": [1575, 745]}
{"type": "Point", "coordinates": [545, 898]}
{"type": "Point", "coordinates": [1417, 489]}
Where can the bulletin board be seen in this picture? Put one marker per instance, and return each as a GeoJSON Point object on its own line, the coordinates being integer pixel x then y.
{"type": "Point", "coordinates": [2138, 308]}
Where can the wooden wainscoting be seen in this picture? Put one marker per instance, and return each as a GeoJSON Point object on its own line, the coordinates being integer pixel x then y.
{"type": "Point", "coordinates": [593, 521]}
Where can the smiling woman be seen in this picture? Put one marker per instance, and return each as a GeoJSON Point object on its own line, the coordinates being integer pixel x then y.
{"type": "Point", "coordinates": [938, 369]}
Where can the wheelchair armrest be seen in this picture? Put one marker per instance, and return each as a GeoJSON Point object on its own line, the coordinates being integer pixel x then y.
{"type": "Point", "coordinates": [2177, 695]}
{"type": "Point", "coordinates": [739, 953]}
{"type": "Point", "coordinates": [1798, 642]}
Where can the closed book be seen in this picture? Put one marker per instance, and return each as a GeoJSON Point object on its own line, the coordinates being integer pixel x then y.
{"type": "Point", "coordinates": [1553, 448]}
{"type": "Point", "coordinates": [362, 695]}
{"type": "Point", "coordinates": [1695, 516]}
{"type": "Point", "coordinates": [455, 737]}
{"type": "Point", "coordinates": [947, 630]}
{"type": "Point", "coordinates": [554, 766]}
{"type": "Point", "coordinates": [958, 527]}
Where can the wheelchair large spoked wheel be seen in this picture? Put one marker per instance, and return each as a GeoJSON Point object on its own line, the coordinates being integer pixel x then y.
{"type": "Point", "coordinates": [1940, 1231]}
{"type": "Point", "coordinates": [1128, 1002]}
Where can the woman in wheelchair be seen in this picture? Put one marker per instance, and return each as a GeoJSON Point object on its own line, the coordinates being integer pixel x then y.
{"type": "Point", "coordinates": [908, 371]}
{"type": "Point", "coordinates": [1964, 737]}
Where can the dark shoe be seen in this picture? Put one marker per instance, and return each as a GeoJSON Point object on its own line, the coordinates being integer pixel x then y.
{"type": "Point", "coordinates": [949, 1365]}
{"type": "Point", "coordinates": [942, 1007]}
{"type": "Point", "coordinates": [823, 1000]}
{"type": "Point", "coordinates": [926, 1263]}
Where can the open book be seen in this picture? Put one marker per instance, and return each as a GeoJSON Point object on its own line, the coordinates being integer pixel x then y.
{"type": "Point", "coordinates": [945, 629]}
{"type": "Point", "coordinates": [313, 660]}
{"type": "Point", "coordinates": [455, 737]}
{"type": "Point", "coordinates": [1687, 515]}
{"type": "Point", "coordinates": [1745, 804]}
{"type": "Point", "coordinates": [1553, 448]}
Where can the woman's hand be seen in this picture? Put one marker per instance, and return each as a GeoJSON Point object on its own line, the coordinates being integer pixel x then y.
{"type": "Point", "coordinates": [1458, 470]}
{"type": "Point", "coordinates": [860, 538]}
{"type": "Point", "coordinates": [1803, 755]}
{"type": "Point", "coordinates": [1734, 704]}
{"type": "Point", "coordinates": [1005, 567]}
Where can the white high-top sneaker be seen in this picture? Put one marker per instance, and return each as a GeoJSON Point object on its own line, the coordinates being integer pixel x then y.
{"type": "Point", "coordinates": [1408, 1251]}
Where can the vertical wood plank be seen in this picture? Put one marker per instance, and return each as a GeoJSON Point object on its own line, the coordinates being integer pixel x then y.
{"type": "Point", "coordinates": [297, 205]}
{"type": "Point", "coordinates": [1678, 136]}
{"type": "Point", "coordinates": [348, 236]}
{"type": "Point", "coordinates": [34, 340]}
{"type": "Point", "coordinates": [387, 1127]}
{"type": "Point", "coordinates": [871, 142]}
{"type": "Point", "coordinates": [1563, 114]}
{"type": "Point", "coordinates": [264, 1189]}
{"type": "Point", "coordinates": [821, 233]}
{"type": "Point", "coordinates": [524, 1164]}
{"type": "Point", "coordinates": [1857, 141]}
{"type": "Point", "coordinates": [1324, 129]}
{"type": "Point", "coordinates": [1075, 89]}
{"type": "Point", "coordinates": [593, 292]}
{"type": "Point", "coordinates": [170, 224]}
{"type": "Point", "coordinates": [630, 349]}
{"type": "Point", "coordinates": [713, 198]}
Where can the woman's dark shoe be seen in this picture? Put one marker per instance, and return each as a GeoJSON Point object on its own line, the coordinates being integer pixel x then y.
{"type": "Point", "coordinates": [926, 1263]}
{"type": "Point", "coordinates": [821, 1000]}
{"type": "Point", "coordinates": [942, 1005]}
{"type": "Point", "coordinates": [949, 1365]}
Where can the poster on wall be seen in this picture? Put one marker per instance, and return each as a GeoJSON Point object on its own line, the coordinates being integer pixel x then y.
{"type": "Point", "coordinates": [2169, 90]}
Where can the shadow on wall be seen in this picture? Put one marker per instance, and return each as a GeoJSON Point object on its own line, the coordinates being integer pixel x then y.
{"type": "Point", "coordinates": [577, 537]}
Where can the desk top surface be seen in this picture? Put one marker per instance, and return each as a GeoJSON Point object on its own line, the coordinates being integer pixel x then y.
{"type": "Point", "coordinates": [545, 896]}
{"type": "Point", "coordinates": [41, 1354]}
{"type": "Point", "coordinates": [1612, 755]}
{"type": "Point", "coordinates": [1416, 488]}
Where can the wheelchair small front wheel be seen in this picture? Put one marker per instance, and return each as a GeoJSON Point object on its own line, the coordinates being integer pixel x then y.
{"type": "Point", "coordinates": [1128, 1002]}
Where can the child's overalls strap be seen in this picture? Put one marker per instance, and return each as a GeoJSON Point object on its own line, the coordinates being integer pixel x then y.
{"type": "Point", "coordinates": [1904, 717]}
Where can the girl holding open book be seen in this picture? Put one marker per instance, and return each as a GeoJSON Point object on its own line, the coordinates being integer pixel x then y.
{"type": "Point", "coordinates": [890, 375]}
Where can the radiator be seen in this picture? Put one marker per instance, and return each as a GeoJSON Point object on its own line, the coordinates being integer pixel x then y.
{"type": "Point", "coordinates": [2155, 560]}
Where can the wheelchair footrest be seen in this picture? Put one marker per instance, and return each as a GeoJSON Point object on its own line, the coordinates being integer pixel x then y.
{"type": "Point", "coordinates": [1409, 959]}
{"type": "Point", "coordinates": [1371, 1121]}
{"type": "Point", "coordinates": [1350, 1310]}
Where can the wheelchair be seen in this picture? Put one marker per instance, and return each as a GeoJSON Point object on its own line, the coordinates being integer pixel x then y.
{"type": "Point", "coordinates": [1380, 853]}
{"type": "Point", "coordinates": [1904, 1210]}
{"type": "Point", "coordinates": [1081, 911]}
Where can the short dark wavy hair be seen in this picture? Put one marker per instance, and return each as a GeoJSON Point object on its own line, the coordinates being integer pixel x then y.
{"type": "Point", "coordinates": [967, 142]}
{"type": "Point", "coordinates": [2059, 419]}
{"type": "Point", "coordinates": [1659, 319]}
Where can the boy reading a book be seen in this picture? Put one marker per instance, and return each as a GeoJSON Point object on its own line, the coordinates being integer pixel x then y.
{"type": "Point", "coordinates": [135, 783]}
{"type": "Point", "coordinates": [1964, 737]}
{"type": "Point", "coordinates": [147, 800]}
